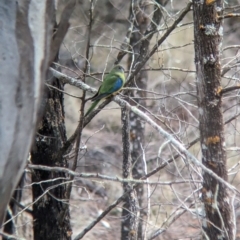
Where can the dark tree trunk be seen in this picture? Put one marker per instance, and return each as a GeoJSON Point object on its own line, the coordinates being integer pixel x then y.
{"type": "Point", "coordinates": [50, 215]}
{"type": "Point", "coordinates": [218, 222]}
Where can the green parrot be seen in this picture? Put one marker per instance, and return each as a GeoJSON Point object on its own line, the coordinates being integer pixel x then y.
{"type": "Point", "coordinates": [112, 84]}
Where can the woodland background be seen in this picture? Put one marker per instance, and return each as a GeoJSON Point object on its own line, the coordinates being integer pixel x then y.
{"type": "Point", "coordinates": [166, 92]}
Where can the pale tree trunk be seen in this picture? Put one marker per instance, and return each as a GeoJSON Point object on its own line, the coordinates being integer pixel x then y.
{"type": "Point", "coordinates": [218, 220]}
{"type": "Point", "coordinates": [25, 44]}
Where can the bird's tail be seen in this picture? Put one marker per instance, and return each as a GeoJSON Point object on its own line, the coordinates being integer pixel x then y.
{"type": "Point", "coordinates": [94, 104]}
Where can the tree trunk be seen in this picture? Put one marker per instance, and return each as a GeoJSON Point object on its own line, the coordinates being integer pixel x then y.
{"type": "Point", "coordinates": [24, 51]}
{"type": "Point", "coordinates": [137, 126]}
{"type": "Point", "coordinates": [218, 222]}
{"type": "Point", "coordinates": [130, 212]}
{"type": "Point", "coordinates": [139, 15]}
{"type": "Point", "coordinates": [50, 211]}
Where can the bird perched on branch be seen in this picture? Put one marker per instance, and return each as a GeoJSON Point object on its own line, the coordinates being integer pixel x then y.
{"type": "Point", "coordinates": [112, 84]}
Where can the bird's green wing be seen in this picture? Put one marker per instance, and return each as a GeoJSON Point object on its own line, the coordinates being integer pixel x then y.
{"type": "Point", "coordinates": [110, 85]}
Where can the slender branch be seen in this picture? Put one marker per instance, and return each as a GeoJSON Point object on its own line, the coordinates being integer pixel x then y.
{"type": "Point", "coordinates": [64, 92]}
{"type": "Point", "coordinates": [235, 8]}
{"type": "Point", "coordinates": [72, 81]}
{"type": "Point", "coordinates": [101, 216]}
{"type": "Point", "coordinates": [230, 89]}
{"type": "Point", "coordinates": [45, 192]}
{"type": "Point", "coordinates": [61, 29]}
{"type": "Point", "coordinates": [101, 176]}
{"type": "Point", "coordinates": [231, 46]}
{"type": "Point", "coordinates": [171, 219]}
{"type": "Point", "coordinates": [22, 206]}
{"type": "Point", "coordinates": [81, 117]}
{"type": "Point", "coordinates": [81, 120]}
{"type": "Point", "coordinates": [148, 192]}
{"type": "Point", "coordinates": [229, 15]}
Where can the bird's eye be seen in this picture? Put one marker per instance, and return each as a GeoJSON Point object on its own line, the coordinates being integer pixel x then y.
{"type": "Point", "coordinates": [121, 68]}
